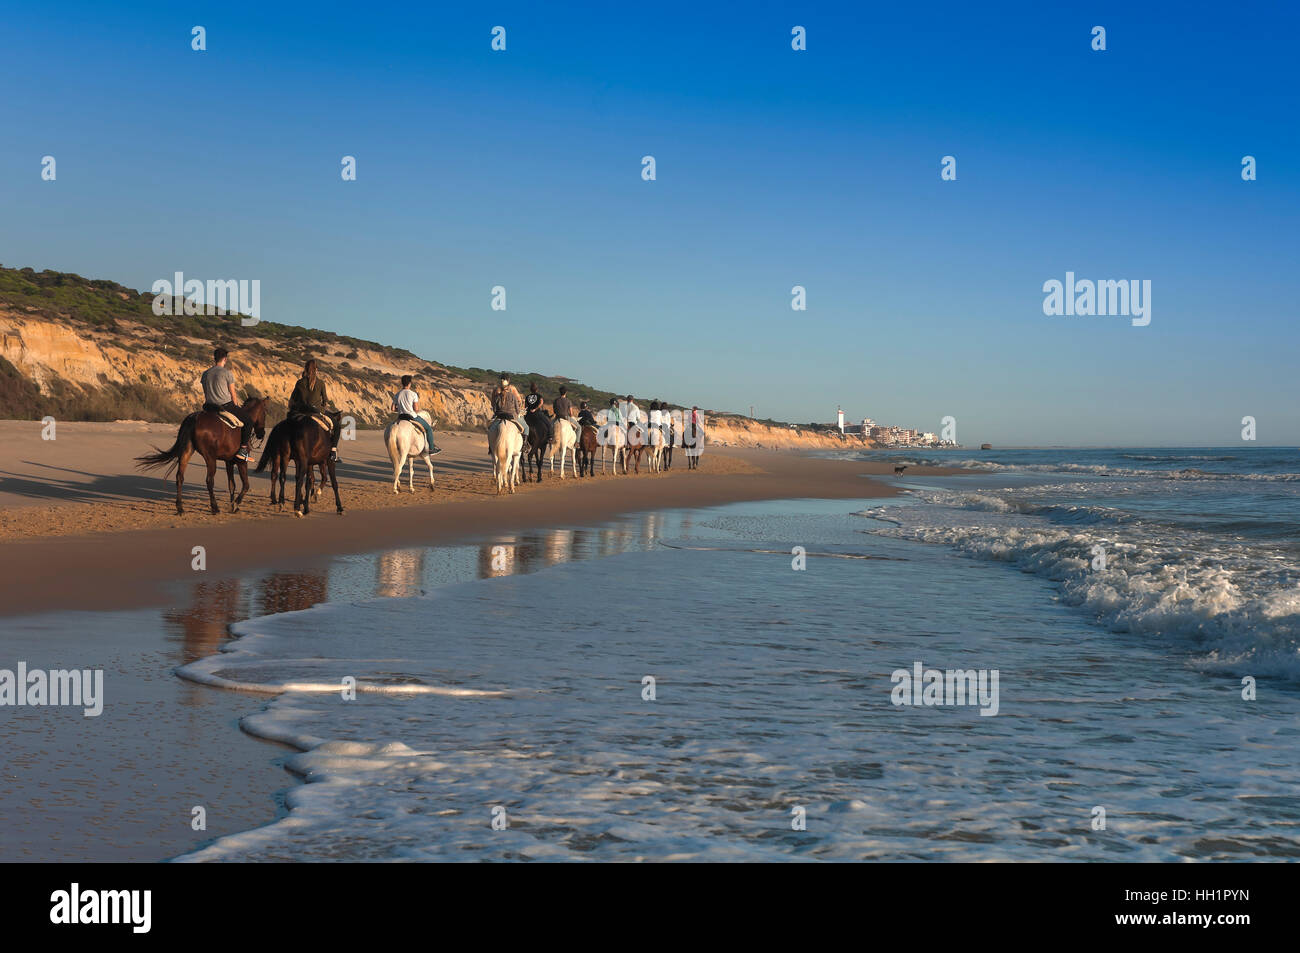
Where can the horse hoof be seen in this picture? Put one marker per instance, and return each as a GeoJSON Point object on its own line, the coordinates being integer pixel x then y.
{"type": "Point", "coordinates": [298, 513]}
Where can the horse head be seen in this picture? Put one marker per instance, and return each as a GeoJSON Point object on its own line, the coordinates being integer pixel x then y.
{"type": "Point", "coordinates": [256, 408]}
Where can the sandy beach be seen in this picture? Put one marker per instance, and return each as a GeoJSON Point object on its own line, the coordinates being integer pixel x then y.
{"type": "Point", "coordinates": [96, 570]}
{"type": "Point", "coordinates": [75, 509]}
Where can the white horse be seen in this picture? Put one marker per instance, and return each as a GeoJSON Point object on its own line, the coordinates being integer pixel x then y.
{"type": "Point", "coordinates": [405, 441]}
{"type": "Point", "coordinates": [658, 440]}
{"type": "Point", "coordinates": [506, 448]}
{"type": "Point", "coordinates": [564, 440]}
{"type": "Point", "coordinates": [612, 438]}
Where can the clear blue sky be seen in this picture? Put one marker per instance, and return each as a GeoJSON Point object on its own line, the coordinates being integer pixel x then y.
{"type": "Point", "coordinates": [775, 168]}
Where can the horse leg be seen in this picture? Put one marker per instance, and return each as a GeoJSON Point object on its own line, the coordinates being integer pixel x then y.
{"type": "Point", "coordinates": [298, 475]}
{"type": "Point", "coordinates": [244, 484]}
{"type": "Point", "coordinates": [334, 482]}
{"type": "Point", "coordinates": [429, 462]}
{"type": "Point", "coordinates": [180, 478]}
{"type": "Point", "coordinates": [212, 475]}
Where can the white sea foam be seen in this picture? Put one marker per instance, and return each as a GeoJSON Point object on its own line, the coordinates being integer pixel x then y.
{"type": "Point", "coordinates": [773, 693]}
{"type": "Point", "coordinates": [1236, 605]}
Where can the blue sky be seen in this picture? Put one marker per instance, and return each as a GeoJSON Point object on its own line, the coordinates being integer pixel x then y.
{"type": "Point", "coordinates": [775, 168]}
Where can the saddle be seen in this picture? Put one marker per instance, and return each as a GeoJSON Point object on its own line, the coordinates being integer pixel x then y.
{"type": "Point", "coordinates": [225, 416]}
{"type": "Point", "coordinates": [326, 423]}
{"type": "Point", "coordinates": [509, 419]}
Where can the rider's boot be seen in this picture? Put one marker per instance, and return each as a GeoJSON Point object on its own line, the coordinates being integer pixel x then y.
{"type": "Point", "coordinates": [243, 453]}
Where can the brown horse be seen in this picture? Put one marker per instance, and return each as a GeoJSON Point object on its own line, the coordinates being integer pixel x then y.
{"type": "Point", "coordinates": [277, 454]}
{"type": "Point", "coordinates": [587, 443]}
{"type": "Point", "coordinates": [307, 443]}
{"type": "Point", "coordinates": [203, 432]}
{"type": "Point", "coordinates": [535, 445]}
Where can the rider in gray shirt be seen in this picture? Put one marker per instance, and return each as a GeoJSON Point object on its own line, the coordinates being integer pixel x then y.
{"type": "Point", "coordinates": [219, 394]}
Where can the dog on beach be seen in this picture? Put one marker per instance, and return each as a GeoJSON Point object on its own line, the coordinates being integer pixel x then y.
{"type": "Point", "coordinates": [899, 469]}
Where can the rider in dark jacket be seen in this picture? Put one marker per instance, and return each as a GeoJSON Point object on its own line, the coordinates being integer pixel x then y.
{"type": "Point", "coordinates": [309, 397]}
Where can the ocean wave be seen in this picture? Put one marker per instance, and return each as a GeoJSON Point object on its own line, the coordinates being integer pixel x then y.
{"type": "Point", "coordinates": [1100, 469]}
{"type": "Point", "coordinates": [1237, 606]}
{"type": "Point", "coordinates": [1170, 458]}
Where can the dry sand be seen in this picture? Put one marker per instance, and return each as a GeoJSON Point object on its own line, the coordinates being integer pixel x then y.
{"type": "Point", "coordinates": [80, 528]}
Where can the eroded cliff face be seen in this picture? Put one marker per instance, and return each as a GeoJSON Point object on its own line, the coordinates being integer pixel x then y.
{"type": "Point", "coordinates": [52, 354]}
{"type": "Point", "coordinates": [743, 432]}
{"type": "Point", "coordinates": [56, 355]}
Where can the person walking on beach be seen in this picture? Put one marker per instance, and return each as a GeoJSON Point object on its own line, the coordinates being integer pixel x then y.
{"type": "Point", "coordinates": [309, 398]}
{"type": "Point", "coordinates": [406, 403]}
{"type": "Point", "coordinates": [219, 394]}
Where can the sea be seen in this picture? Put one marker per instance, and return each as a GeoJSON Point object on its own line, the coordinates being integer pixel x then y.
{"type": "Point", "coordinates": [774, 681]}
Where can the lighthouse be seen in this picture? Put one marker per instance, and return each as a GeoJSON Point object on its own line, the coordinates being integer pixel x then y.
{"type": "Point", "coordinates": [839, 412]}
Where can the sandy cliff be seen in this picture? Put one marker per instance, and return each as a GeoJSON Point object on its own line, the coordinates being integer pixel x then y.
{"type": "Point", "coordinates": [71, 365]}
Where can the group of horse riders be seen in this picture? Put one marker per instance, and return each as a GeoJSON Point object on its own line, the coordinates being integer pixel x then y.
{"type": "Point", "coordinates": [309, 398]}
{"type": "Point", "coordinates": [529, 411]}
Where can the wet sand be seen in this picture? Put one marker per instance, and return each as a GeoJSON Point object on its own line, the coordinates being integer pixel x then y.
{"type": "Point", "coordinates": [81, 529]}
{"type": "Point", "coordinates": [96, 572]}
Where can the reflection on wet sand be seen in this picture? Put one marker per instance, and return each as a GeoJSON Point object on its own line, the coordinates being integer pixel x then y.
{"type": "Point", "coordinates": [292, 591]}
{"type": "Point", "coordinates": [215, 606]}
{"type": "Point", "coordinates": [201, 626]}
{"type": "Point", "coordinates": [399, 572]}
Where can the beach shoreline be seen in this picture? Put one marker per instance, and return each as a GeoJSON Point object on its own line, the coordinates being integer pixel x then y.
{"type": "Point", "coordinates": [81, 529]}
{"type": "Point", "coordinates": [199, 740]}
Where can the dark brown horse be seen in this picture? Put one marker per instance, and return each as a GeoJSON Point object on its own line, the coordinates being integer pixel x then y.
{"type": "Point", "coordinates": [307, 443]}
{"type": "Point", "coordinates": [586, 455]}
{"type": "Point", "coordinates": [277, 454]}
{"type": "Point", "coordinates": [535, 445]}
{"type": "Point", "coordinates": [203, 432]}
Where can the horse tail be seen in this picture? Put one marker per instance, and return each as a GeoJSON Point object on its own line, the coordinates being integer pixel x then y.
{"type": "Point", "coordinates": [272, 448]}
{"type": "Point", "coordinates": [151, 461]}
